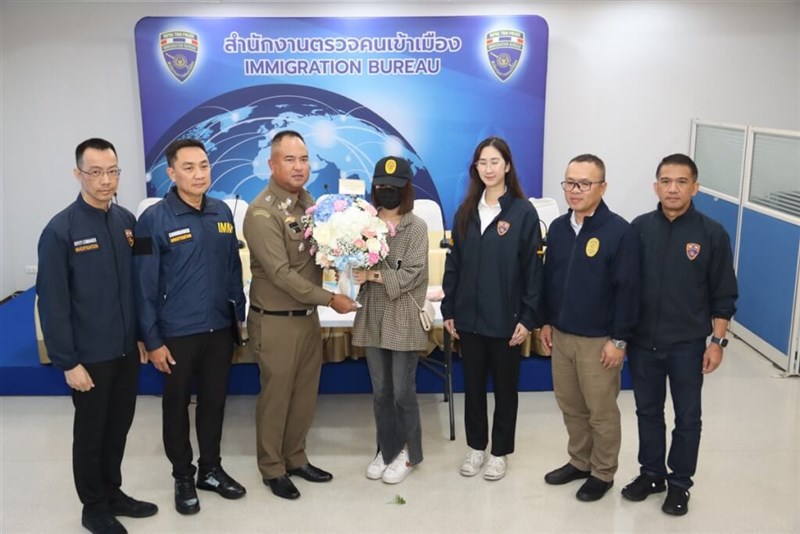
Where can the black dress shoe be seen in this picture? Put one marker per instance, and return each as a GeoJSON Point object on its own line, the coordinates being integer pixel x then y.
{"type": "Point", "coordinates": [282, 487]}
{"type": "Point", "coordinates": [126, 506]}
{"type": "Point", "coordinates": [565, 474]}
{"type": "Point", "coordinates": [643, 487]}
{"type": "Point", "coordinates": [102, 523]}
{"type": "Point", "coordinates": [677, 501]}
{"type": "Point", "coordinates": [186, 501]}
{"type": "Point", "coordinates": [218, 480]}
{"type": "Point", "coordinates": [311, 473]}
{"type": "Point", "coordinates": [593, 489]}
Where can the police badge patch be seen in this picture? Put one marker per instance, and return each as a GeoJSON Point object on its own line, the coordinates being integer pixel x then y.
{"type": "Point", "coordinates": [502, 227]}
{"type": "Point", "coordinates": [129, 236]}
{"type": "Point", "coordinates": [179, 49]}
{"type": "Point", "coordinates": [692, 251]}
{"type": "Point", "coordinates": [504, 48]}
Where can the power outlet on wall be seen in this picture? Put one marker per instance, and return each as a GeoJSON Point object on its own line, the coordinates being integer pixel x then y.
{"type": "Point", "coordinates": [31, 269]}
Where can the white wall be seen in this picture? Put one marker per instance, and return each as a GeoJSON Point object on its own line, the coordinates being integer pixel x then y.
{"type": "Point", "coordinates": [624, 81]}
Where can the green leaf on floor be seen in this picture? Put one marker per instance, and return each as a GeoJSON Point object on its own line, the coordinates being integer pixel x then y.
{"type": "Point", "coordinates": [397, 500]}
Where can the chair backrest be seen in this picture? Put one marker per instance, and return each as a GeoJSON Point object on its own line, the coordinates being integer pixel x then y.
{"type": "Point", "coordinates": [239, 209]}
{"type": "Point", "coordinates": [548, 210]}
{"type": "Point", "coordinates": [431, 213]}
{"type": "Point", "coordinates": [144, 204]}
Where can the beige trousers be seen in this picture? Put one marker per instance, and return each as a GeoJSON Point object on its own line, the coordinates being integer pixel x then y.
{"type": "Point", "coordinates": [587, 395]}
{"type": "Point", "coordinates": [289, 354]}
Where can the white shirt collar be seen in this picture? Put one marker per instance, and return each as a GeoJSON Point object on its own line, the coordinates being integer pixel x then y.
{"type": "Point", "coordinates": [483, 203]}
{"type": "Point", "coordinates": [573, 221]}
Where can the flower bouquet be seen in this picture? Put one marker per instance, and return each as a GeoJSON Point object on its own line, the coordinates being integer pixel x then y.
{"type": "Point", "coordinates": [345, 234]}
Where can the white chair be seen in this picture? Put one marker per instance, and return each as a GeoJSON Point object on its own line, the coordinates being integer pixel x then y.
{"type": "Point", "coordinates": [548, 210]}
{"type": "Point", "coordinates": [431, 213]}
{"type": "Point", "coordinates": [239, 210]}
{"type": "Point", "coordinates": [144, 204]}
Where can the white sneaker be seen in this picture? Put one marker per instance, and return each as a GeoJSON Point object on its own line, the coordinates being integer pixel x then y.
{"type": "Point", "coordinates": [398, 470]}
{"type": "Point", "coordinates": [495, 468]}
{"type": "Point", "coordinates": [376, 467]}
{"type": "Point", "coordinates": [472, 463]}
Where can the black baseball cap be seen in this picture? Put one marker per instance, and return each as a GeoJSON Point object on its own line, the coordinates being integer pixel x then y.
{"type": "Point", "coordinates": [392, 171]}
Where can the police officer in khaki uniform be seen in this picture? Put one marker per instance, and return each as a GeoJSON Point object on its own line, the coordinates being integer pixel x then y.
{"type": "Point", "coordinates": [283, 324]}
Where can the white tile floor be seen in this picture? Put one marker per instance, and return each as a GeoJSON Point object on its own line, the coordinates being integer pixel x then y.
{"type": "Point", "coordinates": [748, 479]}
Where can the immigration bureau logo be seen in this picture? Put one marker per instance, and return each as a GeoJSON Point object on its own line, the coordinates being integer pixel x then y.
{"type": "Point", "coordinates": [504, 50]}
{"type": "Point", "coordinates": [179, 50]}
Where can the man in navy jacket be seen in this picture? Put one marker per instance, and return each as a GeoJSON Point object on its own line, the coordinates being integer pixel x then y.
{"type": "Point", "coordinates": [189, 293]}
{"type": "Point", "coordinates": [86, 306]}
{"type": "Point", "coordinates": [688, 292]}
{"type": "Point", "coordinates": [592, 298]}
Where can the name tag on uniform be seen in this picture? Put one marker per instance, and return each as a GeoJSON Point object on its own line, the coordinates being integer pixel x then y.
{"type": "Point", "coordinates": [85, 245]}
{"type": "Point", "coordinates": [178, 236]}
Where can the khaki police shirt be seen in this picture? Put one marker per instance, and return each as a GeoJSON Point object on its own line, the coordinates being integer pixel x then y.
{"type": "Point", "coordinates": [284, 274]}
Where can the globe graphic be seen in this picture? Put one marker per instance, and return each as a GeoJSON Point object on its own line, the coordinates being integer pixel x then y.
{"type": "Point", "coordinates": [344, 140]}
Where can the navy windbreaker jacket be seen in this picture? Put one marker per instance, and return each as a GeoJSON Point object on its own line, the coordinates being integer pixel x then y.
{"type": "Point", "coordinates": [187, 269]}
{"type": "Point", "coordinates": [492, 281]}
{"type": "Point", "coordinates": [592, 279]}
{"type": "Point", "coordinates": [85, 285]}
{"type": "Point", "coordinates": [687, 277]}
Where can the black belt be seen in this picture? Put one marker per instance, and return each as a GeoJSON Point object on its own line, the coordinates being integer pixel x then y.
{"type": "Point", "coordinates": [288, 313]}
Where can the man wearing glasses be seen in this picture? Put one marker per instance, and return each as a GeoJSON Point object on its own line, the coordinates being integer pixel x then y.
{"type": "Point", "coordinates": [591, 291]}
{"type": "Point", "coordinates": [86, 307]}
{"type": "Point", "coordinates": [689, 291]}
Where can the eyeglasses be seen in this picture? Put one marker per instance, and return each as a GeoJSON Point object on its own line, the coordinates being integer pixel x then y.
{"type": "Point", "coordinates": [667, 182]}
{"type": "Point", "coordinates": [484, 163]}
{"type": "Point", "coordinates": [97, 173]}
{"type": "Point", "coordinates": [583, 185]}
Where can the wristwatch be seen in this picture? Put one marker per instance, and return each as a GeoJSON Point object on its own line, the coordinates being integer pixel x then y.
{"type": "Point", "coordinates": [722, 342]}
{"type": "Point", "coordinates": [619, 343]}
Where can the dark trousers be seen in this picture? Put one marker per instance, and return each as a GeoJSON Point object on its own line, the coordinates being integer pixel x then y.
{"type": "Point", "coordinates": [394, 401]}
{"type": "Point", "coordinates": [682, 365]}
{"type": "Point", "coordinates": [206, 357]}
{"type": "Point", "coordinates": [103, 416]}
{"type": "Point", "coordinates": [482, 357]}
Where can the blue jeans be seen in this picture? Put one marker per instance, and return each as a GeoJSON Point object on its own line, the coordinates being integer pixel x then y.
{"type": "Point", "coordinates": [394, 400]}
{"type": "Point", "coordinates": [682, 364]}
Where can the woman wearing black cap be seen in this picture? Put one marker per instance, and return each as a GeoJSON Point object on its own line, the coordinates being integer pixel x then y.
{"type": "Point", "coordinates": [388, 324]}
{"type": "Point", "coordinates": [492, 285]}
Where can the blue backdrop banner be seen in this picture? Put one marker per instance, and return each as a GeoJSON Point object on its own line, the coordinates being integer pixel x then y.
{"type": "Point", "coordinates": [424, 88]}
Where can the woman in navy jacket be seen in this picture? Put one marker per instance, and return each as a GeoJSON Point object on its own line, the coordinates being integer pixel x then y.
{"type": "Point", "coordinates": [493, 287]}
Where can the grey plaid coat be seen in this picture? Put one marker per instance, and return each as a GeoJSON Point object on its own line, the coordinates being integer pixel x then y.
{"type": "Point", "coordinates": [388, 318]}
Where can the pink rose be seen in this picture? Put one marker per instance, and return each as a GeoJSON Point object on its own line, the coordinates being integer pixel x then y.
{"type": "Point", "coordinates": [384, 249]}
{"type": "Point", "coordinates": [373, 258]}
{"type": "Point", "coordinates": [359, 243]}
{"type": "Point", "coordinates": [369, 233]}
{"type": "Point", "coordinates": [339, 205]}
{"type": "Point", "coordinates": [307, 233]}
{"type": "Point", "coordinates": [311, 210]}
{"type": "Point", "coordinates": [312, 250]}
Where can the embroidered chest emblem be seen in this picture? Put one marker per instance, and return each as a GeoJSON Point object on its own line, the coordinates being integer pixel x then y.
{"type": "Point", "coordinates": [692, 251]}
{"type": "Point", "coordinates": [592, 247]}
{"type": "Point", "coordinates": [129, 236]}
{"type": "Point", "coordinates": [502, 227]}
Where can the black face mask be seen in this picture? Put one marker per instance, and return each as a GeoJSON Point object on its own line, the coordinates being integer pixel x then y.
{"type": "Point", "coordinates": [387, 197]}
